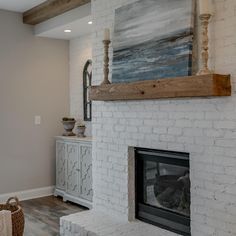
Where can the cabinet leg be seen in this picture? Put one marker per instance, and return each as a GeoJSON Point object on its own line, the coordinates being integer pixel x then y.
{"type": "Point", "coordinates": [64, 199]}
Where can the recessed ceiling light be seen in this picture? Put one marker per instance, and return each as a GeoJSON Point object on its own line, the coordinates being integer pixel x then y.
{"type": "Point", "coordinates": [90, 22]}
{"type": "Point", "coordinates": [67, 31]}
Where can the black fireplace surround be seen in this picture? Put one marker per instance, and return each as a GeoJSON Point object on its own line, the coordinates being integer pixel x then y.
{"type": "Point", "coordinates": [163, 189]}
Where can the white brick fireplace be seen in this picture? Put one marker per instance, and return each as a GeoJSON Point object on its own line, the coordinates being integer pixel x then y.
{"type": "Point", "coordinates": [204, 128]}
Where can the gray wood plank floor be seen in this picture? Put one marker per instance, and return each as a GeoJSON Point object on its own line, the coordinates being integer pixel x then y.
{"type": "Point", "coordinates": [42, 215]}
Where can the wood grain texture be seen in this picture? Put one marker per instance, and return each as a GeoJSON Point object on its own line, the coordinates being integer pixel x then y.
{"type": "Point", "coordinates": [42, 215]}
{"type": "Point", "coordinates": [190, 86]}
{"type": "Point", "coordinates": [50, 9]}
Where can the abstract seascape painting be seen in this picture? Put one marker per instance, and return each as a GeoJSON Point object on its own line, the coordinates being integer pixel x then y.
{"type": "Point", "coordinates": [153, 39]}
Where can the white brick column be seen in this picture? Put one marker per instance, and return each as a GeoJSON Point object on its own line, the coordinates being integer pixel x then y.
{"type": "Point", "coordinates": [205, 128]}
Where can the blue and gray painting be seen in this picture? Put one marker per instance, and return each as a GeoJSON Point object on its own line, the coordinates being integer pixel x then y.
{"type": "Point", "coordinates": [152, 40]}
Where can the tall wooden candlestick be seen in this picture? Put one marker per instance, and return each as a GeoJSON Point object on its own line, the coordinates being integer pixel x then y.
{"type": "Point", "coordinates": [204, 45]}
{"type": "Point", "coordinates": [106, 62]}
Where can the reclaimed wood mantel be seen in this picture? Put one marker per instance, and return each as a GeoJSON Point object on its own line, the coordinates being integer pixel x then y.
{"type": "Point", "coordinates": [211, 85]}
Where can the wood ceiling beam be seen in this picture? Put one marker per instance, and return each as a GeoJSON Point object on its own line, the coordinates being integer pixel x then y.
{"type": "Point", "coordinates": [50, 9]}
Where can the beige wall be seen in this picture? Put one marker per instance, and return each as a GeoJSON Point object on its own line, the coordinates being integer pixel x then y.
{"type": "Point", "coordinates": [33, 81]}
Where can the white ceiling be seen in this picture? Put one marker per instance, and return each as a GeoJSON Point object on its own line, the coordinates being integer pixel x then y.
{"type": "Point", "coordinates": [19, 5]}
{"type": "Point", "coordinates": [76, 20]}
{"type": "Point", "coordinates": [78, 28]}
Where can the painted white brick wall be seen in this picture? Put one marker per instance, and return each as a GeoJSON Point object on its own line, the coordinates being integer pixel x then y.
{"type": "Point", "coordinates": [80, 52]}
{"type": "Point", "coordinates": [205, 128]}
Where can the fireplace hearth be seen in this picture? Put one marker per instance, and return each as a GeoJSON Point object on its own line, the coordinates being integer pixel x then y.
{"type": "Point", "coordinates": [163, 189]}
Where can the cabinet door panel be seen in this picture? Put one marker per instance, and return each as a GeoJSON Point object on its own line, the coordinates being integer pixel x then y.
{"type": "Point", "coordinates": [72, 169]}
{"type": "Point", "coordinates": [85, 154]}
{"type": "Point", "coordinates": [60, 165]}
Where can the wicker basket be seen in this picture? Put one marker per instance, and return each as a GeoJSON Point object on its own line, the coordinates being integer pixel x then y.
{"type": "Point", "coordinates": [17, 215]}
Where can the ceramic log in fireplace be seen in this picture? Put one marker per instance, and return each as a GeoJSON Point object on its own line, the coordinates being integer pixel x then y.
{"type": "Point", "coordinates": [163, 189]}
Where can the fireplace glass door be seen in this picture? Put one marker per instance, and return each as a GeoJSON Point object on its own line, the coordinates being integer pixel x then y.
{"type": "Point", "coordinates": [163, 189]}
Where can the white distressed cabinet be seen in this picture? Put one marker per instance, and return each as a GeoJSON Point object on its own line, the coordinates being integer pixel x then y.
{"type": "Point", "coordinates": [74, 170]}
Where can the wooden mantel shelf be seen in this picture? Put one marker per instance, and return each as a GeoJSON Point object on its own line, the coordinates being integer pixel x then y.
{"type": "Point", "coordinates": [191, 86]}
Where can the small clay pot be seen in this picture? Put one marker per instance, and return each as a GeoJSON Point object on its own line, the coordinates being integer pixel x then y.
{"type": "Point", "coordinates": [81, 130]}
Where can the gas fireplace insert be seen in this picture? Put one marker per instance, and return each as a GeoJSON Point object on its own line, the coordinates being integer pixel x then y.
{"type": "Point", "coordinates": [163, 189]}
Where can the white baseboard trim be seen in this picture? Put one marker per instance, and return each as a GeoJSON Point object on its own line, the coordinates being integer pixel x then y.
{"type": "Point", "coordinates": [28, 194]}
